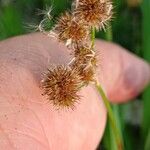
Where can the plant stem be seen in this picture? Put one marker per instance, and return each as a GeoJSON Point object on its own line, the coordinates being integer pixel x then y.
{"type": "Point", "coordinates": [111, 117]}
{"type": "Point", "coordinates": [109, 35]}
{"type": "Point", "coordinates": [146, 55]}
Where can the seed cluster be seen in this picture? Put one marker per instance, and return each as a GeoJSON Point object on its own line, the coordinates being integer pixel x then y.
{"type": "Point", "coordinates": [85, 62]}
{"type": "Point", "coordinates": [62, 83]}
{"type": "Point", "coordinates": [95, 13]}
{"type": "Point", "coordinates": [68, 28]}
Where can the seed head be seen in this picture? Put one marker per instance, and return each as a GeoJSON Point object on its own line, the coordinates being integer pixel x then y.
{"type": "Point", "coordinates": [61, 86]}
{"type": "Point", "coordinates": [84, 55]}
{"type": "Point", "coordinates": [85, 62]}
{"type": "Point", "coordinates": [88, 75]}
{"type": "Point", "coordinates": [95, 13]}
{"type": "Point", "coordinates": [68, 29]}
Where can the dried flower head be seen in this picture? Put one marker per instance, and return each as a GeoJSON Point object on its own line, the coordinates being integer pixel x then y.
{"type": "Point", "coordinates": [84, 55]}
{"type": "Point", "coordinates": [61, 85]}
{"type": "Point", "coordinates": [85, 62]}
{"type": "Point", "coordinates": [88, 75]}
{"type": "Point", "coordinates": [95, 13]}
{"type": "Point", "coordinates": [68, 29]}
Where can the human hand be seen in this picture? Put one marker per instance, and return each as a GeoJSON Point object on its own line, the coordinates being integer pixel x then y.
{"type": "Point", "coordinates": [29, 122]}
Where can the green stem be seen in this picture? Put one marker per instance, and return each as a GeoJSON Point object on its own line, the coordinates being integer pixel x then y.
{"type": "Point", "coordinates": [109, 35]}
{"type": "Point", "coordinates": [146, 55]}
{"type": "Point", "coordinates": [111, 117]}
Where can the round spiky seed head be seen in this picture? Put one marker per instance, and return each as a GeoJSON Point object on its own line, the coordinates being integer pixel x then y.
{"type": "Point", "coordinates": [96, 13]}
{"type": "Point", "coordinates": [61, 86]}
{"type": "Point", "coordinates": [68, 29]}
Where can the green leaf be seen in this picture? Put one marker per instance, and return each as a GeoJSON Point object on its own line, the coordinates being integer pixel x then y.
{"type": "Point", "coordinates": [146, 55]}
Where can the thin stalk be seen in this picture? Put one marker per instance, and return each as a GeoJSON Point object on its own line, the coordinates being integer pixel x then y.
{"type": "Point", "coordinates": [109, 35]}
{"type": "Point", "coordinates": [111, 117]}
{"type": "Point", "coordinates": [118, 137]}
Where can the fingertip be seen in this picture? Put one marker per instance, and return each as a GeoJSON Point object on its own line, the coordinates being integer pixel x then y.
{"type": "Point", "coordinates": [123, 74]}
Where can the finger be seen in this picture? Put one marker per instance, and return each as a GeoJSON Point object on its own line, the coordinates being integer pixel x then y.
{"type": "Point", "coordinates": [33, 53]}
{"type": "Point", "coordinates": [27, 121]}
{"type": "Point", "coordinates": [122, 74]}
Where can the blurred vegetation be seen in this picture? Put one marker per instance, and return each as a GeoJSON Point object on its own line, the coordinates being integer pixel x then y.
{"type": "Point", "coordinates": [130, 28]}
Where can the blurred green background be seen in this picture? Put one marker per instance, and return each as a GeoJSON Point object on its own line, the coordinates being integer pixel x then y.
{"type": "Point", "coordinates": [130, 28]}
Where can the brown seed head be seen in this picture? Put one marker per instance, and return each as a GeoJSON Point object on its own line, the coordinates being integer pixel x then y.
{"type": "Point", "coordinates": [85, 62]}
{"type": "Point", "coordinates": [61, 85]}
{"type": "Point", "coordinates": [67, 28]}
{"type": "Point", "coordinates": [95, 13]}
{"type": "Point", "coordinates": [88, 75]}
{"type": "Point", "coordinates": [84, 54]}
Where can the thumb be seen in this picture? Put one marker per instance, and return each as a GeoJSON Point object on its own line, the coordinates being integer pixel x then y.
{"type": "Point", "coordinates": [122, 74]}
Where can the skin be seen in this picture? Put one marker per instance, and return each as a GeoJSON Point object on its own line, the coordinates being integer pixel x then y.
{"type": "Point", "coordinates": [29, 122]}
